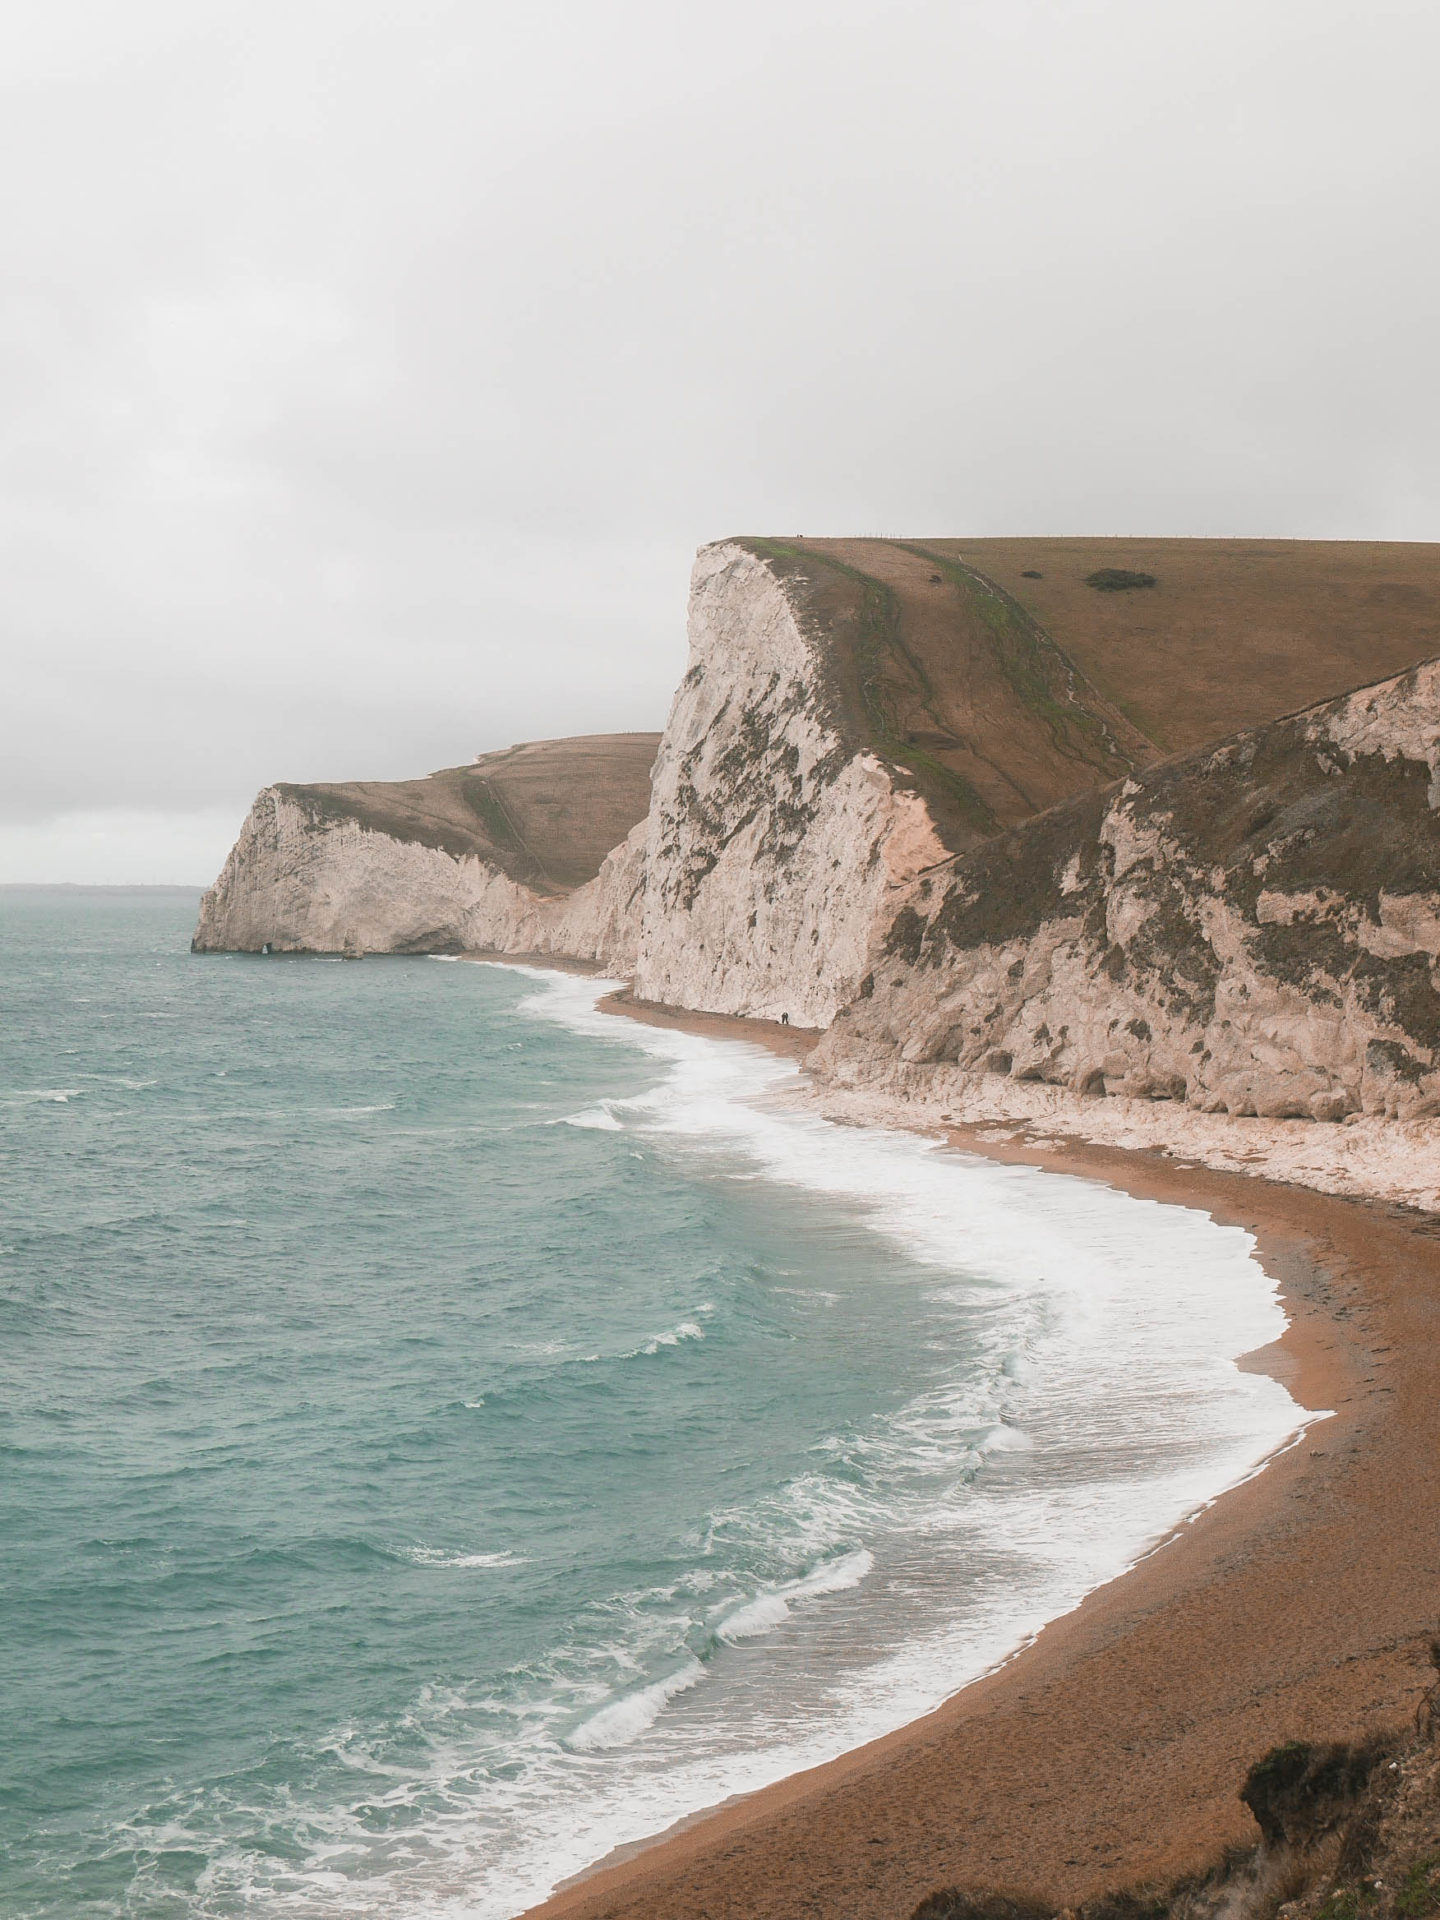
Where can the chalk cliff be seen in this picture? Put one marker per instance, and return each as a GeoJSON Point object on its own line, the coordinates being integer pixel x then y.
{"type": "Point", "coordinates": [517, 852]}
{"type": "Point", "coordinates": [1253, 929]}
{"type": "Point", "coordinates": [776, 842]}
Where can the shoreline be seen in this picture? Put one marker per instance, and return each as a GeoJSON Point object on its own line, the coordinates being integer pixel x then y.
{"type": "Point", "coordinates": [970, 1792]}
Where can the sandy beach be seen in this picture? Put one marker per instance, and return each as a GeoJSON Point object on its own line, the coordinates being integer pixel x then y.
{"type": "Point", "coordinates": [1110, 1751]}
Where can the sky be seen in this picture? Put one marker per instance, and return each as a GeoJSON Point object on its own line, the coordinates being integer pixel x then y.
{"type": "Point", "coordinates": [371, 372]}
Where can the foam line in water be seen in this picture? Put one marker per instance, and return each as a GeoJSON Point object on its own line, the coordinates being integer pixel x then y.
{"type": "Point", "coordinates": [438, 1557]}
{"type": "Point", "coordinates": [602, 1118]}
{"type": "Point", "coordinates": [769, 1610]}
{"type": "Point", "coordinates": [626, 1719]}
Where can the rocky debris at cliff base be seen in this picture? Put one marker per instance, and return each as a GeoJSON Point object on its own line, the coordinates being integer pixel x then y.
{"type": "Point", "coordinates": [1367, 1157]}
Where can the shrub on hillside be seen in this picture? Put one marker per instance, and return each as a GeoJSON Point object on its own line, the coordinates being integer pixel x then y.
{"type": "Point", "coordinates": [1118, 580]}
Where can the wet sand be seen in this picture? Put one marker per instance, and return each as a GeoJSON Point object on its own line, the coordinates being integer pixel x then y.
{"type": "Point", "coordinates": [793, 1042]}
{"type": "Point", "coordinates": [1110, 1751]}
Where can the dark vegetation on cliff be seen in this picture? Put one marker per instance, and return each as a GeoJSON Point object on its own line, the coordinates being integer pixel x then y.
{"type": "Point", "coordinates": [546, 813]}
{"type": "Point", "coordinates": [1348, 1831]}
{"type": "Point", "coordinates": [1275, 857]}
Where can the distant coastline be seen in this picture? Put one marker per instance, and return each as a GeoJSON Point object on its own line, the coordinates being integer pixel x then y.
{"type": "Point", "coordinates": [85, 886]}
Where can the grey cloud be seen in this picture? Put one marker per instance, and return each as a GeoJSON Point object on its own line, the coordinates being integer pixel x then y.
{"type": "Point", "coordinates": [370, 371]}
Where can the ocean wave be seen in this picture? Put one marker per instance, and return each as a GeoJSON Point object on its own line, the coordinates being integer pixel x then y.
{"type": "Point", "coordinates": [57, 1094]}
{"type": "Point", "coordinates": [224, 1117]}
{"type": "Point", "coordinates": [600, 1119]}
{"type": "Point", "coordinates": [688, 1329]}
{"type": "Point", "coordinates": [440, 1557]}
{"type": "Point", "coordinates": [625, 1719]}
{"type": "Point", "coordinates": [768, 1610]}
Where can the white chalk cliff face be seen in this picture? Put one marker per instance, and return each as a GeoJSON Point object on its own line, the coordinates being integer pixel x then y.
{"type": "Point", "coordinates": [772, 853]}
{"type": "Point", "coordinates": [1251, 930]}
{"type": "Point", "coordinates": [301, 881]}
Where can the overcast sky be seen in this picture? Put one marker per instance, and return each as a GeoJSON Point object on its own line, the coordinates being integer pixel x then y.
{"type": "Point", "coordinates": [372, 371]}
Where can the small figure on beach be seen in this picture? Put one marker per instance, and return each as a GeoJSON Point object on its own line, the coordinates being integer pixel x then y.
{"type": "Point", "coordinates": [784, 1019]}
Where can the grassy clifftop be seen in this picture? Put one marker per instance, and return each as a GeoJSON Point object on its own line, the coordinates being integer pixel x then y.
{"type": "Point", "coordinates": [546, 813]}
{"type": "Point", "coordinates": [1003, 675]}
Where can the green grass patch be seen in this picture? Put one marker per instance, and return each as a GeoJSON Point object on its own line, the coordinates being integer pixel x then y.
{"type": "Point", "coordinates": [1419, 1892]}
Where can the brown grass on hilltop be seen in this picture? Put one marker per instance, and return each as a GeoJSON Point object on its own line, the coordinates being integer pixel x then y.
{"type": "Point", "coordinates": [1004, 675]}
{"type": "Point", "coordinates": [546, 813]}
{"type": "Point", "coordinates": [1234, 632]}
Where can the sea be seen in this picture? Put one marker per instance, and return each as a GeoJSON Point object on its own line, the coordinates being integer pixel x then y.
{"type": "Point", "coordinates": [449, 1432]}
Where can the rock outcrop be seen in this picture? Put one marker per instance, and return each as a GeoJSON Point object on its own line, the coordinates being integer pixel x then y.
{"type": "Point", "coordinates": [1253, 929]}
{"type": "Point", "coordinates": [776, 842]}
{"type": "Point", "coordinates": [516, 852]}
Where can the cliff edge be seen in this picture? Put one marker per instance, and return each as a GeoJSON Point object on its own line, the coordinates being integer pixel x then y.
{"type": "Point", "coordinates": [937, 807]}
{"type": "Point", "coordinates": [507, 852]}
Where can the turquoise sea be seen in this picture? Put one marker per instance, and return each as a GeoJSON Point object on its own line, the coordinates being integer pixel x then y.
{"type": "Point", "coordinates": [447, 1431]}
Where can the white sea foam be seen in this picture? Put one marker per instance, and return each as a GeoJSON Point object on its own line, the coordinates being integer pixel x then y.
{"type": "Point", "coordinates": [687, 1330]}
{"type": "Point", "coordinates": [626, 1719]}
{"type": "Point", "coordinates": [439, 1557]}
{"type": "Point", "coordinates": [602, 1118]}
{"type": "Point", "coordinates": [768, 1610]}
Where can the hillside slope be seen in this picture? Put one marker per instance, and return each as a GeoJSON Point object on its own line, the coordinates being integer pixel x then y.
{"type": "Point", "coordinates": [546, 812]}
{"type": "Point", "coordinates": [1231, 634]}
{"type": "Point", "coordinates": [1253, 929]}
{"type": "Point", "coordinates": [1234, 632]}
